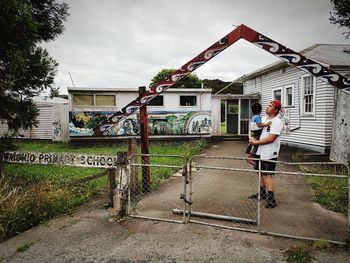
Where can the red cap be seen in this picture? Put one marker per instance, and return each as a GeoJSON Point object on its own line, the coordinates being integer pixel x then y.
{"type": "Point", "coordinates": [277, 104]}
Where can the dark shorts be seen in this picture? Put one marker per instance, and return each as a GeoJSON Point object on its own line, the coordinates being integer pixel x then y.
{"type": "Point", "coordinates": [265, 166]}
{"type": "Point", "coordinates": [252, 149]}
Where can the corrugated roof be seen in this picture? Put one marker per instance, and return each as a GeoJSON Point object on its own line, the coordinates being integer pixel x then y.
{"type": "Point", "coordinates": [48, 100]}
{"type": "Point", "coordinates": [329, 55]}
{"type": "Point", "coordinates": [109, 89]}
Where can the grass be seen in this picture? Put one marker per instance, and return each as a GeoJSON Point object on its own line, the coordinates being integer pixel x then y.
{"type": "Point", "coordinates": [24, 247]}
{"type": "Point", "coordinates": [31, 194]}
{"type": "Point", "coordinates": [330, 192]}
{"type": "Point", "coordinates": [300, 254]}
{"type": "Point", "coordinates": [223, 128]}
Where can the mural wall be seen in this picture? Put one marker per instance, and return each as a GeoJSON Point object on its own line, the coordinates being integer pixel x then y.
{"type": "Point", "coordinates": [90, 123]}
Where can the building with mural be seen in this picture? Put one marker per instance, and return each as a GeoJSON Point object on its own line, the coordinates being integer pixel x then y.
{"type": "Point", "coordinates": [176, 112]}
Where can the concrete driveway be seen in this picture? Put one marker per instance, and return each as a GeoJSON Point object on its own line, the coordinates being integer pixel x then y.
{"type": "Point", "coordinates": [91, 234]}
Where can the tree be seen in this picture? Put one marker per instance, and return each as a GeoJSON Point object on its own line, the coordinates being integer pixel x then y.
{"type": "Point", "coordinates": [26, 69]}
{"type": "Point", "coordinates": [190, 81]}
{"type": "Point", "coordinates": [54, 92]}
{"type": "Point", "coordinates": [217, 85]}
{"type": "Point", "coordinates": [341, 15]}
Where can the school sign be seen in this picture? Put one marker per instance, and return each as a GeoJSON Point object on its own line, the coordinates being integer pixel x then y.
{"type": "Point", "coordinates": [85, 160]}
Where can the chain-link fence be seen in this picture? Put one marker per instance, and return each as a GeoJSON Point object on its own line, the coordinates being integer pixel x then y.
{"type": "Point", "coordinates": [312, 199]}
{"type": "Point", "coordinates": [157, 186]}
{"type": "Point", "coordinates": [219, 187]}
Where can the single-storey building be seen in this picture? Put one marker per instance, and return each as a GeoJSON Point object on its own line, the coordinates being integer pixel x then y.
{"type": "Point", "coordinates": [315, 113]}
{"type": "Point", "coordinates": [175, 113]}
{"type": "Point", "coordinates": [53, 120]}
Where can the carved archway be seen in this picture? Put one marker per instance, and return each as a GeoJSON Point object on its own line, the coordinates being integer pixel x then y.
{"type": "Point", "coordinates": [293, 58]}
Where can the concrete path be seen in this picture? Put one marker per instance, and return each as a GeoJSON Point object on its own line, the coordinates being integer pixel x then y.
{"type": "Point", "coordinates": [91, 234]}
{"type": "Point", "coordinates": [225, 193]}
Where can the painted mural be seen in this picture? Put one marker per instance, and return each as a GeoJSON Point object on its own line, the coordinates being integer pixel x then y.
{"type": "Point", "coordinates": [159, 123]}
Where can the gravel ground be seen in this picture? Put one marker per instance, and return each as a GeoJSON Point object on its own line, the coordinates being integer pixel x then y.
{"type": "Point", "coordinates": [92, 234]}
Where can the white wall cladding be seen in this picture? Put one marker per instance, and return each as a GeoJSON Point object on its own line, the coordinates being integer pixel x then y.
{"type": "Point", "coordinates": [44, 129]}
{"type": "Point", "coordinates": [52, 117]}
{"type": "Point", "coordinates": [308, 132]}
{"type": "Point", "coordinates": [216, 116]}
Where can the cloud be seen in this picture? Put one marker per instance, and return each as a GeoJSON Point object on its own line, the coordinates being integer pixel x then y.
{"type": "Point", "coordinates": [125, 43]}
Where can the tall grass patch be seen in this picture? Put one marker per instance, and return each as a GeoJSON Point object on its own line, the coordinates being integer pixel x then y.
{"type": "Point", "coordinates": [329, 192]}
{"type": "Point", "coordinates": [32, 193]}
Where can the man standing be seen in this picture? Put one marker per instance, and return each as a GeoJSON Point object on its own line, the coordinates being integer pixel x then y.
{"type": "Point", "coordinates": [269, 146]}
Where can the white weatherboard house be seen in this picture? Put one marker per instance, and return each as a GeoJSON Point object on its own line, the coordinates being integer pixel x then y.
{"type": "Point", "coordinates": [316, 113]}
{"type": "Point", "coordinates": [53, 120]}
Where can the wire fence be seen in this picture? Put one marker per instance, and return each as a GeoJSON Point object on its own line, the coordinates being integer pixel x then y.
{"type": "Point", "coordinates": [312, 199]}
{"type": "Point", "coordinates": [157, 186]}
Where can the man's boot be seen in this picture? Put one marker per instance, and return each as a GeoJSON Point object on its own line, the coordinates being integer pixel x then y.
{"type": "Point", "coordinates": [263, 194]}
{"type": "Point", "coordinates": [271, 202]}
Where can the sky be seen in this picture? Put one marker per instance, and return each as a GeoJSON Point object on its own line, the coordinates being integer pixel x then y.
{"type": "Point", "coordinates": [124, 43]}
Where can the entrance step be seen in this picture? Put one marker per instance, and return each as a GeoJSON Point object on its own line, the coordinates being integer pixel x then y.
{"type": "Point", "coordinates": [230, 138]}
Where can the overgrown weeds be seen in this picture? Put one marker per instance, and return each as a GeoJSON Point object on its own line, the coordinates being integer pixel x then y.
{"type": "Point", "coordinates": [303, 253]}
{"type": "Point", "coordinates": [37, 203]}
{"type": "Point", "coordinates": [32, 194]}
{"type": "Point", "coordinates": [299, 254]}
{"type": "Point", "coordinates": [329, 191]}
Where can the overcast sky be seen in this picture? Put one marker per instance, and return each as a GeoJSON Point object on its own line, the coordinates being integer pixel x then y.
{"type": "Point", "coordinates": [124, 43]}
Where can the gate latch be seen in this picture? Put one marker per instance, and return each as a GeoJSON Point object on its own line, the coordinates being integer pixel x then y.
{"type": "Point", "coordinates": [183, 197]}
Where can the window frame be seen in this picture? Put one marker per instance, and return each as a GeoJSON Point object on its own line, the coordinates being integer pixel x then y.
{"type": "Point", "coordinates": [188, 106]}
{"type": "Point", "coordinates": [94, 100]}
{"type": "Point", "coordinates": [285, 98]}
{"type": "Point", "coordinates": [83, 105]}
{"type": "Point", "coordinates": [273, 93]}
{"type": "Point", "coordinates": [303, 113]}
{"type": "Point", "coordinates": [162, 96]}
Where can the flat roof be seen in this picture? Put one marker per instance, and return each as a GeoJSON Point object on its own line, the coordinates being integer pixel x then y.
{"type": "Point", "coordinates": [136, 90]}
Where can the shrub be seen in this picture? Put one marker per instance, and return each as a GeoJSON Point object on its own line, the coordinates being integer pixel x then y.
{"type": "Point", "coordinates": [38, 203]}
{"type": "Point", "coordinates": [300, 254]}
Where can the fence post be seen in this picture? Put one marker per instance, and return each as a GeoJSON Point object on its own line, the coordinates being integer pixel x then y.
{"type": "Point", "coordinates": [112, 185]}
{"type": "Point", "coordinates": [134, 182]}
{"type": "Point", "coordinates": [146, 178]}
{"type": "Point", "coordinates": [348, 167]}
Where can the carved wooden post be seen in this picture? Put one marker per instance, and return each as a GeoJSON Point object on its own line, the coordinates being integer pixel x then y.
{"type": "Point", "coordinates": [134, 182]}
{"type": "Point", "coordinates": [146, 179]}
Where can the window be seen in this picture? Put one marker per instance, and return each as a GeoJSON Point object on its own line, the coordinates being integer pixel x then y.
{"type": "Point", "coordinates": [105, 100]}
{"type": "Point", "coordinates": [188, 101]}
{"type": "Point", "coordinates": [83, 100]}
{"type": "Point", "coordinates": [94, 100]}
{"type": "Point", "coordinates": [288, 96]}
{"type": "Point", "coordinates": [277, 94]}
{"type": "Point", "coordinates": [308, 95]}
{"type": "Point", "coordinates": [157, 101]}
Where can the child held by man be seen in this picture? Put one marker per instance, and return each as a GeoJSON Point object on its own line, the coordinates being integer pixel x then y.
{"type": "Point", "coordinates": [255, 130]}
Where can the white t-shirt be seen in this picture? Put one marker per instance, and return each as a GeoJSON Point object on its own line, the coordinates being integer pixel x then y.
{"type": "Point", "coordinates": [270, 150]}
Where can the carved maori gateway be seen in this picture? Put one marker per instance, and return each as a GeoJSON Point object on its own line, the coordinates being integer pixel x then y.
{"type": "Point", "coordinates": [242, 31]}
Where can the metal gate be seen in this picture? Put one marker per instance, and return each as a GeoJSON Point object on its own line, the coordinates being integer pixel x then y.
{"type": "Point", "coordinates": [166, 190]}
{"type": "Point", "coordinates": [220, 186]}
{"type": "Point", "coordinates": [214, 190]}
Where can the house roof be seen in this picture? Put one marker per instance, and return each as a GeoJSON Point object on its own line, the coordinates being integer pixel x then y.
{"type": "Point", "coordinates": [48, 100]}
{"type": "Point", "coordinates": [136, 90]}
{"type": "Point", "coordinates": [329, 55]}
